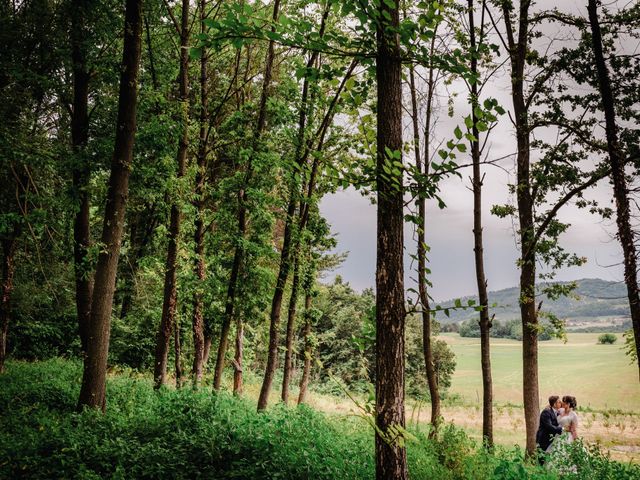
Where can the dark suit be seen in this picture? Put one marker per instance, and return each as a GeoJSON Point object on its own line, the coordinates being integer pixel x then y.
{"type": "Point", "coordinates": [548, 428]}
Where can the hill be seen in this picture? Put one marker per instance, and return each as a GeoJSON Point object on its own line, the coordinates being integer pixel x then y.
{"type": "Point", "coordinates": [592, 300]}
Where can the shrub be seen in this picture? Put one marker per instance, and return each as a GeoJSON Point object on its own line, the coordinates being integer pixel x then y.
{"type": "Point", "coordinates": [607, 339]}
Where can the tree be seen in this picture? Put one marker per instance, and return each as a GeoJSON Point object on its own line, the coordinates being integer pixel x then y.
{"type": "Point", "coordinates": [168, 320]}
{"type": "Point", "coordinates": [81, 172]}
{"type": "Point", "coordinates": [93, 389]}
{"type": "Point", "coordinates": [620, 191]}
{"type": "Point", "coordinates": [391, 461]}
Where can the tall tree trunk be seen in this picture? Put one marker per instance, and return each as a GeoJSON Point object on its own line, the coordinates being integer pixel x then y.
{"type": "Point", "coordinates": [391, 461]}
{"type": "Point", "coordinates": [285, 253]}
{"type": "Point", "coordinates": [142, 228]}
{"type": "Point", "coordinates": [81, 171]}
{"type": "Point", "coordinates": [207, 349]}
{"type": "Point", "coordinates": [238, 256]}
{"type": "Point", "coordinates": [170, 288]}
{"type": "Point", "coordinates": [517, 53]}
{"type": "Point", "coordinates": [177, 343]}
{"type": "Point", "coordinates": [625, 232]}
{"type": "Point", "coordinates": [92, 391]}
{"type": "Point", "coordinates": [427, 347]}
{"type": "Point", "coordinates": [485, 322]}
{"type": "Point", "coordinates": [237, 361]}
{"type": "Point", "coordinates": [198, 318]}
{"type": "Point", "coordinates": [291, 322]}
{"type": "Point", "coordinates": [8, 270]}
{"type": "Point", "coordinates": [308, 348]}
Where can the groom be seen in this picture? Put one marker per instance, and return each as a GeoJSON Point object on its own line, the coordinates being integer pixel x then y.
{"type": "Point", "coordinates": [548, 426]}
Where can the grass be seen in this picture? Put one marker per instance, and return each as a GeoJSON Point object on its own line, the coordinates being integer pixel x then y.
{"type": "Point", "coordinates": [599, 376]}
{"type": "Point", "coordinates": [187, 434]}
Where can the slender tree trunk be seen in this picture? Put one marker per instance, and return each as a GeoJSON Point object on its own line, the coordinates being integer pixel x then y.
{"type": "Point", "coordinates": [170, 287]}
{"type": "Point", "coordinates": [285, 253]}
{"type": "Point", "coordinates": [147, 221]}
{"type": "Point", "coordinates": [92, 392]}
{"type": "Point", "coordinates": [432, 380]}
{"type": "Point", "coordinates": [242, 206]}
{"type": "Point", "coordinates": [620, 192]}
{"type": "Point", "coordinates": [308, 348]}
{"type": "Point", "coordinates": [485, 322]}
{"type": "Point", "coordinates": [517, 53]}
{"type": "Point", "coordinates": [237, 361]}
{"type": "Point", "coordinates": [198, 318]}
{"type": "Point", "coordinates": [207, 349]}
{"type": "Point", "coordinates": [231, 298]}
{"type": "Point", "coordinates": [291, 322]}
{"type": "Point", "coordinates": [81, 171]}
{"type": "Point", "coordinates": [427, 345]}
{"type": "Point", "coordinates": [391, 461]}
{"type": "Point", "coordinates": [8, 270]}
{"type": "Point", "coordinates": [178, 352]}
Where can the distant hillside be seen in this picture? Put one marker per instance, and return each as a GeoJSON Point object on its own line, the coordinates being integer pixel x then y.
{"type": "Point", "coordinates": [595, 298]}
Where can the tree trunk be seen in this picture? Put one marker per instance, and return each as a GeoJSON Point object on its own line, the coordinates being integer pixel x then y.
{"type": "Point", "coordinates": [170, 293]}
{"type": "Point", "coordinates": [177, 352]}
{"type": "Point", "coordinates": [207, 349]}
{"type": "Point", "coordinates": [8, 270]}
{"type": "Point", "coordinates": [231, 297]}
{"type": "Point", "coordinates": [517, 53]}
{"type": "Point", "coordinates": [485, 322]}
{"type": "Point", "coordinates": [616, 158]}
{"type": "Point", "coordinates": [198, 319]}
{"type": "Point", "coordinates": [306, 372]}
{"type": "Point", "coordinates": [285, 253]}
{"type": "Point", "coordinates": [391, 461]}
{"type": "Point", "coordinates": [291, 322]}
{"type": "Point", "coordinates": [81, 171]}
{"type": "Point", "coordinates": [92, 392]}
{"type": "Point", "coordinates": [237, 361]}
{"type": "Point", "coordinates": [427, 348]}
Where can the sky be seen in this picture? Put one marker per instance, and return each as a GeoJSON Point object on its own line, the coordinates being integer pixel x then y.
{"type": "Point", "coordinates": [449, 231]}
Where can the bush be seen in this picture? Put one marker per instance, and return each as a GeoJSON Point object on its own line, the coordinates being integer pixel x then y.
{"type": "Point", "coordinates": [185, 434]}
{"type": "Point", "coordinates": [607, 339]}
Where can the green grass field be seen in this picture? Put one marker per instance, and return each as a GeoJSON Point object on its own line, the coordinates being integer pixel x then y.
{"type": "Point", "coordinates": [599, 376]}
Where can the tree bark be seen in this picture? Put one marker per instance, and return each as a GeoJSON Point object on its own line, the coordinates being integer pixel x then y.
{"type": "Point", "coordinates": [391, 461]}
{"type": "Point", "coordinates": [177, 343]}
{"type": "Point", "coordinates": [427, 348]}
{"type": "Point", "coordinates": [517, 54]}
{"type": "Point", "coordinates": [237, 361]}
{"type": "Point", "coordinates": [81, 171]}
{"type": "Point", "coordinates": [485, 322]}
{"type": "Point", "coordinates": [285, 253]}
{"type": "Point", "coordinates": [308, 349]}
{"type": "Point", "coordinates": [170, 287]}
{"type": "Point", "coordinates": [620, 192]}
{"type": "Point", "coordinates": [92, 391]}
{"type": "Point", "coordinates": [198, 318]}
{"type": "Point", "coordinates": [8, 271]}
{"type": "Point", "coordinates": [291, 322]}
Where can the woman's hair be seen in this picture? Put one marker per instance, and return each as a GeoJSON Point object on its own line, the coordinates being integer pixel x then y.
{"type": "Point", "coordinates": [571, 401]}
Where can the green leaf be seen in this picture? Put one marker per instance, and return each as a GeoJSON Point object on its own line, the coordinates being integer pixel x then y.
{"type": "Point", "coordinates": [458, 133]}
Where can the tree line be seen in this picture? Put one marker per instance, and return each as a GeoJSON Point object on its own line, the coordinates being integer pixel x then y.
{"type": "Point", "coordinates": [226, 123]}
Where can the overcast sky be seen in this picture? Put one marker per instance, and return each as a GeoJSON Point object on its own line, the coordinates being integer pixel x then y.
{"type": "Point", "coordinates": [449, 231]}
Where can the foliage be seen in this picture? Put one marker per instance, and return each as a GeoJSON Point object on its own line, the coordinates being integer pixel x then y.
{"type": "Point", "coordinates": [607, 339]}
{"type": "Point", "coordinates": [186, 434]}
{"type": "Point", "coordinates": [508, 329]}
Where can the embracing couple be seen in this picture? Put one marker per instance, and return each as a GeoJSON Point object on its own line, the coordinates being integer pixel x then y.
{"type": "Point", "coordinates": [558, 426]}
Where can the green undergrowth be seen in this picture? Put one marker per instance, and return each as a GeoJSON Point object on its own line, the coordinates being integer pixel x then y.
{"type": "Point", "coordinates": [187, 434]}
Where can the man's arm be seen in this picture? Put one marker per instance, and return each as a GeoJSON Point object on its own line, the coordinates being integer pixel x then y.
{"type": "Point", "coordinates": [547, 425]}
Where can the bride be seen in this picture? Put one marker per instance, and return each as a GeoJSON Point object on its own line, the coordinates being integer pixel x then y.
{"type": "Point", "coordinates": [568, 420]}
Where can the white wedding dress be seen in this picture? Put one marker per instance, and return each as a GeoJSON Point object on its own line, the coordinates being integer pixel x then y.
{"type": "Point", "coordinates": [559, 449]}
